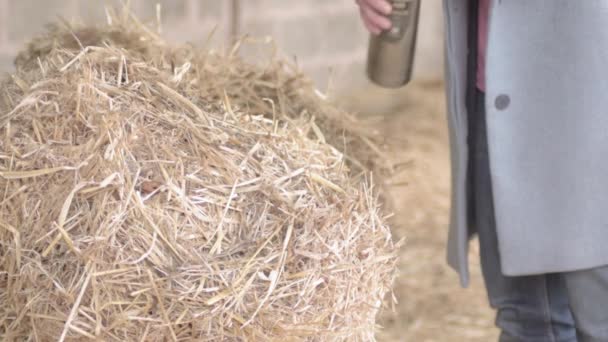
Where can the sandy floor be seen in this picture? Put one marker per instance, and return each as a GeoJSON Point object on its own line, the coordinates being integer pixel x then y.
{"type": "Point", "coordinates": [432, 306]}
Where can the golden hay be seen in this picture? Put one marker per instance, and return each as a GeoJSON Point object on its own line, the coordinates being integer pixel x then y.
{"type": "Point", "coordinates": [156, 193]}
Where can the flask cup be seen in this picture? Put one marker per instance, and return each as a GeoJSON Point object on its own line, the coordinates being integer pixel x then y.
{"type": "Point", "coordinates": [390, 59]}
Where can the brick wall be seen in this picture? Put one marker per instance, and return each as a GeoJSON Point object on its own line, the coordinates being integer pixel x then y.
{"type": "Point", "coordinates": [324, 36]}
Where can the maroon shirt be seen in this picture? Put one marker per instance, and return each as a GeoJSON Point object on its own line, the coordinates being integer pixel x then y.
{"type": "Point", "coordinates": [482, 43]}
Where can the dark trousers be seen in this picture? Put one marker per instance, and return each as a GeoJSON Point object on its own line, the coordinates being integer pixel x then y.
{"type": "Point", "coordinates": [570, 306]}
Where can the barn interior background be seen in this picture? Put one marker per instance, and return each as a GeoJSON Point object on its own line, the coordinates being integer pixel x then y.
{"type": "Point", "coordinates": [326, 36]}
{"type": "Point", "coordinates": [329, 43]}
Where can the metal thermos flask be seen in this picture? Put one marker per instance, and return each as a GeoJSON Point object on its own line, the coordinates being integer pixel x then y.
{"type": "Point", "coordinates": [390, 57]}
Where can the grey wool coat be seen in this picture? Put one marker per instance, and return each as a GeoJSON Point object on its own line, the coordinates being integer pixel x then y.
{"type": "Point", "coordinates": [547, 122]}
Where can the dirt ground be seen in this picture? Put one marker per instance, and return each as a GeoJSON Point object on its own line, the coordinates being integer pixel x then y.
{"type": "Point", "coordinates": [432, 306]}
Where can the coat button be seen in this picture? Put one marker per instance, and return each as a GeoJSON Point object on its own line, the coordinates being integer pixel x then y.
{"type": "Point", "coordinates": [502, 102]}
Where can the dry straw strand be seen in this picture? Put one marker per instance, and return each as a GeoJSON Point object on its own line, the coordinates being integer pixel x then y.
{"type": "Point", "coordinates": [156, 192]}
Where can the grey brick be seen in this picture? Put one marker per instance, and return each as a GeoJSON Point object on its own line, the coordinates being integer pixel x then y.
{"type": "Point", "coordinates": [6, 64]}
{"type": "Point", "coordinates": [170, 9]}
{"type": "Point", "coordinates": [28, 17]}
{"type": "Point", "coordinates": [344, 32]}
{"type": "Point", "coordinates": [94, 12]}
{"type": "Point", "coordinates": [209, 9]}
{"type": "Point", "coordinates": [265, 5]}
{"type": "Point", "coordinates": [321, 34]}
{"type": "Point", "coordinates": [190, 21]}
{"type": "Point", "coordinates": [302, 37]}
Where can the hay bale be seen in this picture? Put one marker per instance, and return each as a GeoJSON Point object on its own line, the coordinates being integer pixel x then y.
{"type": "Point", "coordinates": [154, 194]}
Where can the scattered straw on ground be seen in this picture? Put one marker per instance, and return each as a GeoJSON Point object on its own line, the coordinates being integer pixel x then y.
{"type": "Point", "coordinates": [150, 193]}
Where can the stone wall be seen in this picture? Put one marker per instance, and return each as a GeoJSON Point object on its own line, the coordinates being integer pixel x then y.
{"type": "Point", "coordinates": [326, 37]}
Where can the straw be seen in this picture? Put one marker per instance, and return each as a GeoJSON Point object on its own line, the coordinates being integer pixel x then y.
{"type": "Point", "coordinates": [143, 201]}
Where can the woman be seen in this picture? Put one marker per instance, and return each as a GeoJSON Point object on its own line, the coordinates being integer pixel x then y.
{"type": "Point", "coordinates": [528, 114]}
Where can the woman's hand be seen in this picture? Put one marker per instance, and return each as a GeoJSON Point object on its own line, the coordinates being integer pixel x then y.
{"type": "Point", "coordinates": [374, 14]}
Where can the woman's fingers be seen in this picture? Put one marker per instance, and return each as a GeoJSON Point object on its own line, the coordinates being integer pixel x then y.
{"type": "Point", "coordinates": [378, 20]}
{"type": "Point", "coordinates": [371, 27]}
{"type": "Point", "coordinates": [372, 14]}
{"type": "Point", "coordinates": [380, 6]}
